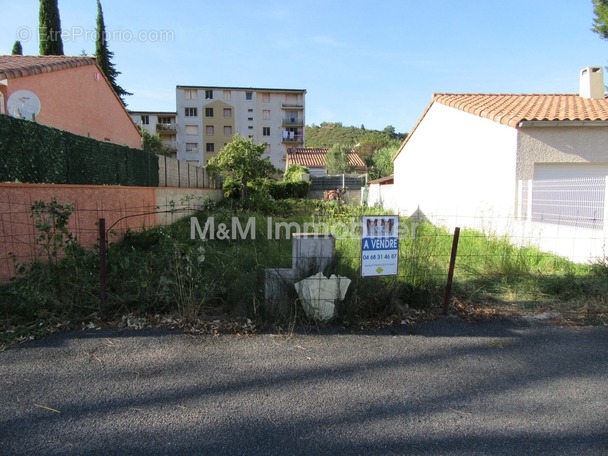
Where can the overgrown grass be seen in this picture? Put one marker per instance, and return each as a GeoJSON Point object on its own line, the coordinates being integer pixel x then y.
{"type": "Point", "coordinates": [163, 271]}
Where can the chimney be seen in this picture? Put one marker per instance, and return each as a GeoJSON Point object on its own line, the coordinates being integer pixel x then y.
{"type": "Point", "coordinates": [592, 83]}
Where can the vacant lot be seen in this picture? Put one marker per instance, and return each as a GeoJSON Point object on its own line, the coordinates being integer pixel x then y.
{"type": "Point", "coordinates": [446, 387]}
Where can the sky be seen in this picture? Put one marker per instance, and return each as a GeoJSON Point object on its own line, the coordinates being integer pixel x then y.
{"type": "Point", "coordinates": [362, 63]}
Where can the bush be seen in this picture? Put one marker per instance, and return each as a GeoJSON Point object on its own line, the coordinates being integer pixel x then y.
{"type": "Point", "coordinates": [294, 173]}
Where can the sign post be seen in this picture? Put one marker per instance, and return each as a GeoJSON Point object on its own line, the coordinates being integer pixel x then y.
{"type": "Point", "coordinates": [379, 245]}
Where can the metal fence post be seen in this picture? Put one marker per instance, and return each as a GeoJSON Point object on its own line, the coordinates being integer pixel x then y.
{"type": "Point", "coordinates": [103, 254]}
{"type": "Point", "coordinates": [448, 287]}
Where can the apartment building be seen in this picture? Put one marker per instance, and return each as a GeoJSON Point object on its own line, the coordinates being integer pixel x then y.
{"type": "Point", "coordinates": [158, 122]}
{"type": "Point", "coordinates": [208, 118]}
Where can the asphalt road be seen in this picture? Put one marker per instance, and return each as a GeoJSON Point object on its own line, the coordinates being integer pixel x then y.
{"type": "Point", "coordinates": [443, 388]}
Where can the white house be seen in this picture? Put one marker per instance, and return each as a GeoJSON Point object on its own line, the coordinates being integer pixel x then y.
{"type": "Point", "coordinates": [530, 166]}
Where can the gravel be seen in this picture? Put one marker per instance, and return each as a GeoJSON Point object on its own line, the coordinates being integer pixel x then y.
{"type": "Point", "coordinates": [447, 387]}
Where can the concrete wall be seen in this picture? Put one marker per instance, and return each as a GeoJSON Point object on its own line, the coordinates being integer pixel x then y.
{"type": "Point", "coordinates": [384, 196]}
{"type": "Point", "coordinates": [123, 208]}
{"type": "Point", "coordinates": [174, 173]}
{"type": "Point", "coordinates": [81, 101]}
{"type": "Point", "coordinates": [560, 145]}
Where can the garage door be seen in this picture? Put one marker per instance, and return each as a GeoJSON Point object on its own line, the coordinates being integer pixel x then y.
{"type": "Point", "coordinates": [569, 194]}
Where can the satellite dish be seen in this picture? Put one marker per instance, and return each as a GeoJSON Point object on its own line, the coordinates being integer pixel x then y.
{"type": "Point", "coordinates": [23, 104]}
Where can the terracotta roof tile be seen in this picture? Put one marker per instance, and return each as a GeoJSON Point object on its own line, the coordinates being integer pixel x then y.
{"type": "Point", "coordinates": [16, 66]}
{"type": "Point", "coordinates": [315, 157]}
{"type": "Point", "coordinates": [511, 109]}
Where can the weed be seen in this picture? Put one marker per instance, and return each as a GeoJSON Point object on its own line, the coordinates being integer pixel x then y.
{"type": "Point", "coordinates": [162, 271]}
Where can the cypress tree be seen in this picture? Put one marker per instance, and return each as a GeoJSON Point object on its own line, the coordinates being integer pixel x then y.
{"type": "Point", "coordinates": [50, 28]}
{"type": "Point", "coordinates": [17, 48]}
{"type": "Point", "coordinates": [104, 56]}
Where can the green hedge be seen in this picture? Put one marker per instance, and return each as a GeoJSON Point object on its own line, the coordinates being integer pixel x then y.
{"type": "Point", "coordinates": [34, 153]}
{"type": "Point", "coordinates": [285, 190]}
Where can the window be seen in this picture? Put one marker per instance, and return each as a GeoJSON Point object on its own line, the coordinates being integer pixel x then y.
{"type": "Point", "coordinates": [192, 148]}
{"type": "Point", "coordinates": [227, 112]}
{"type": "Point", "coordinates": [227, 130]}
{"type": "Point", "coordinates": [189, 94]}
{"type": "Point", "coordinates": [210, 130]}
{"type": "Point", "coordinates": [266, 131]}
{"type": "Point", "coordinates": [250, 127]}
{"type": "Point", "coordinates": [248, 95]}
{"type": "Point", "coordinates": [227, 94]}
{"type": "Point", "coordinates": [266, 114]}
{"type": "Point", "coordinates": [250, 119]}
{"type": "Point", "coordinates": [208, 94]}
{"type": "Point", "coordinates": [266, 97]}
{"type": "Point", "coordinates": [208, 112]}
{"type": "Point", "coordinates": [250, 110]}
{"type": "Point", "coordinates": [166, 120]}
{"type": "Point", "coordinates": [145, 120]}
{"type": "Point", "coordinates": [191, 112]}
{"type": "Point", "coordinates": [210, 147]}
{"type": "Point", "coordinates": [192, 129]}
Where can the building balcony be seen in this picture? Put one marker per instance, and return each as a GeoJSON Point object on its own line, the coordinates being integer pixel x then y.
{"type": "Point", "coordinates": [293, 139]}
{"type": "Point", "coordinates": [166, 128]}
{"type": "Point", "coordinates": [292, 105]}
{"type": "Point", "coordinates": [293, 121]}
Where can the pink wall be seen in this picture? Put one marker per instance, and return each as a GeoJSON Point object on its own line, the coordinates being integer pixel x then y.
{"type": "Point", "coordinates": [79, 100]}
{"type": "Point", "coordinates": [17, 233]}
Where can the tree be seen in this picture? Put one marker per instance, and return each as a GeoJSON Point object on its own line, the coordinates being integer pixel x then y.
{"type": "Point", "coordinates": [295, 173]}
{"type": "Point", "coordinates": [371, 142]}
{"type": "Point", "coordinates": [600, 21]}
{"type": "Point", "coordinates": [17, 48]}
{"type": "Point", "coordinates": [336, 161]}
{"type": "Point", "coordinates": [382, 162]}
{"type": "Point", "coordinates": [152, 143]}
{"type": "Point", "coordinates": [104, 56]}
{"type": "Point", "coordinates": [241, 161]}
{"type": "Point", "coordinates": [49, 28]}
{"type": "Point", "coordinates": [389, 131]}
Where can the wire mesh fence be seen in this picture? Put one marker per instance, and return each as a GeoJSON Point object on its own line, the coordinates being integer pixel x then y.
{"type": "Point", "coordinates": [222, 259]}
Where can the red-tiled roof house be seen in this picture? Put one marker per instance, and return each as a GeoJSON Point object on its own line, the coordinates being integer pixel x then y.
{"type": "Point", "coordinates": [531, 166]}
{"type": "Point", "coordinates": [315, 160]}
{"type": "Point", "coordinates": [68, 93]}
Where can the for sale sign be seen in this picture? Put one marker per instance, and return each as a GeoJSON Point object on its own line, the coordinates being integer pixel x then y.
{"type": "Point", "coordinates": [379, 245]}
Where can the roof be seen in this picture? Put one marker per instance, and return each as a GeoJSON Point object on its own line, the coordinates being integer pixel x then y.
{"type": "Point", "coordinates": [511, 109]}
{"type": "Point", "coordinates": [515, 110]}
{"type": "Point", "coordinates": [16, 66]}
{"type": "Point", "coordinates": [256, 89]}
{"type": "Point", "coordinates": [315, 157]}
{"type": "Point", "coordinates": [387, 180]}
{"type": "Point", "coordinates": [153, 113]}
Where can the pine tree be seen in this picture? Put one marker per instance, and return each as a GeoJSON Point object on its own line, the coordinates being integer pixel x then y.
{"type": "Point", "coordinates": [17, 48]}
{"type": "Point", "coordinates": [104, 56]}
{"type": "Point", "coordinates": [50, 28]}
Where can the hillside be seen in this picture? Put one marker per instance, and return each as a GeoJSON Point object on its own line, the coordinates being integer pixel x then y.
{"type": "Point", "coordinates": [375, 147]}
{"type": "Point", "coordinates": [329, 133]}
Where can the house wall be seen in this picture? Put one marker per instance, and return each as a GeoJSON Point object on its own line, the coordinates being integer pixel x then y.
{"type": "Point", "coordinates": [455, 167]}
{"type": "Point", "coordinates": [81, 101]}
{"type": "Point", "coordinates": [570, 155]}
{"type": "Point", "coordinates": [560, 145]}
{"type": "Point", "coordinates": [123, 208]}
